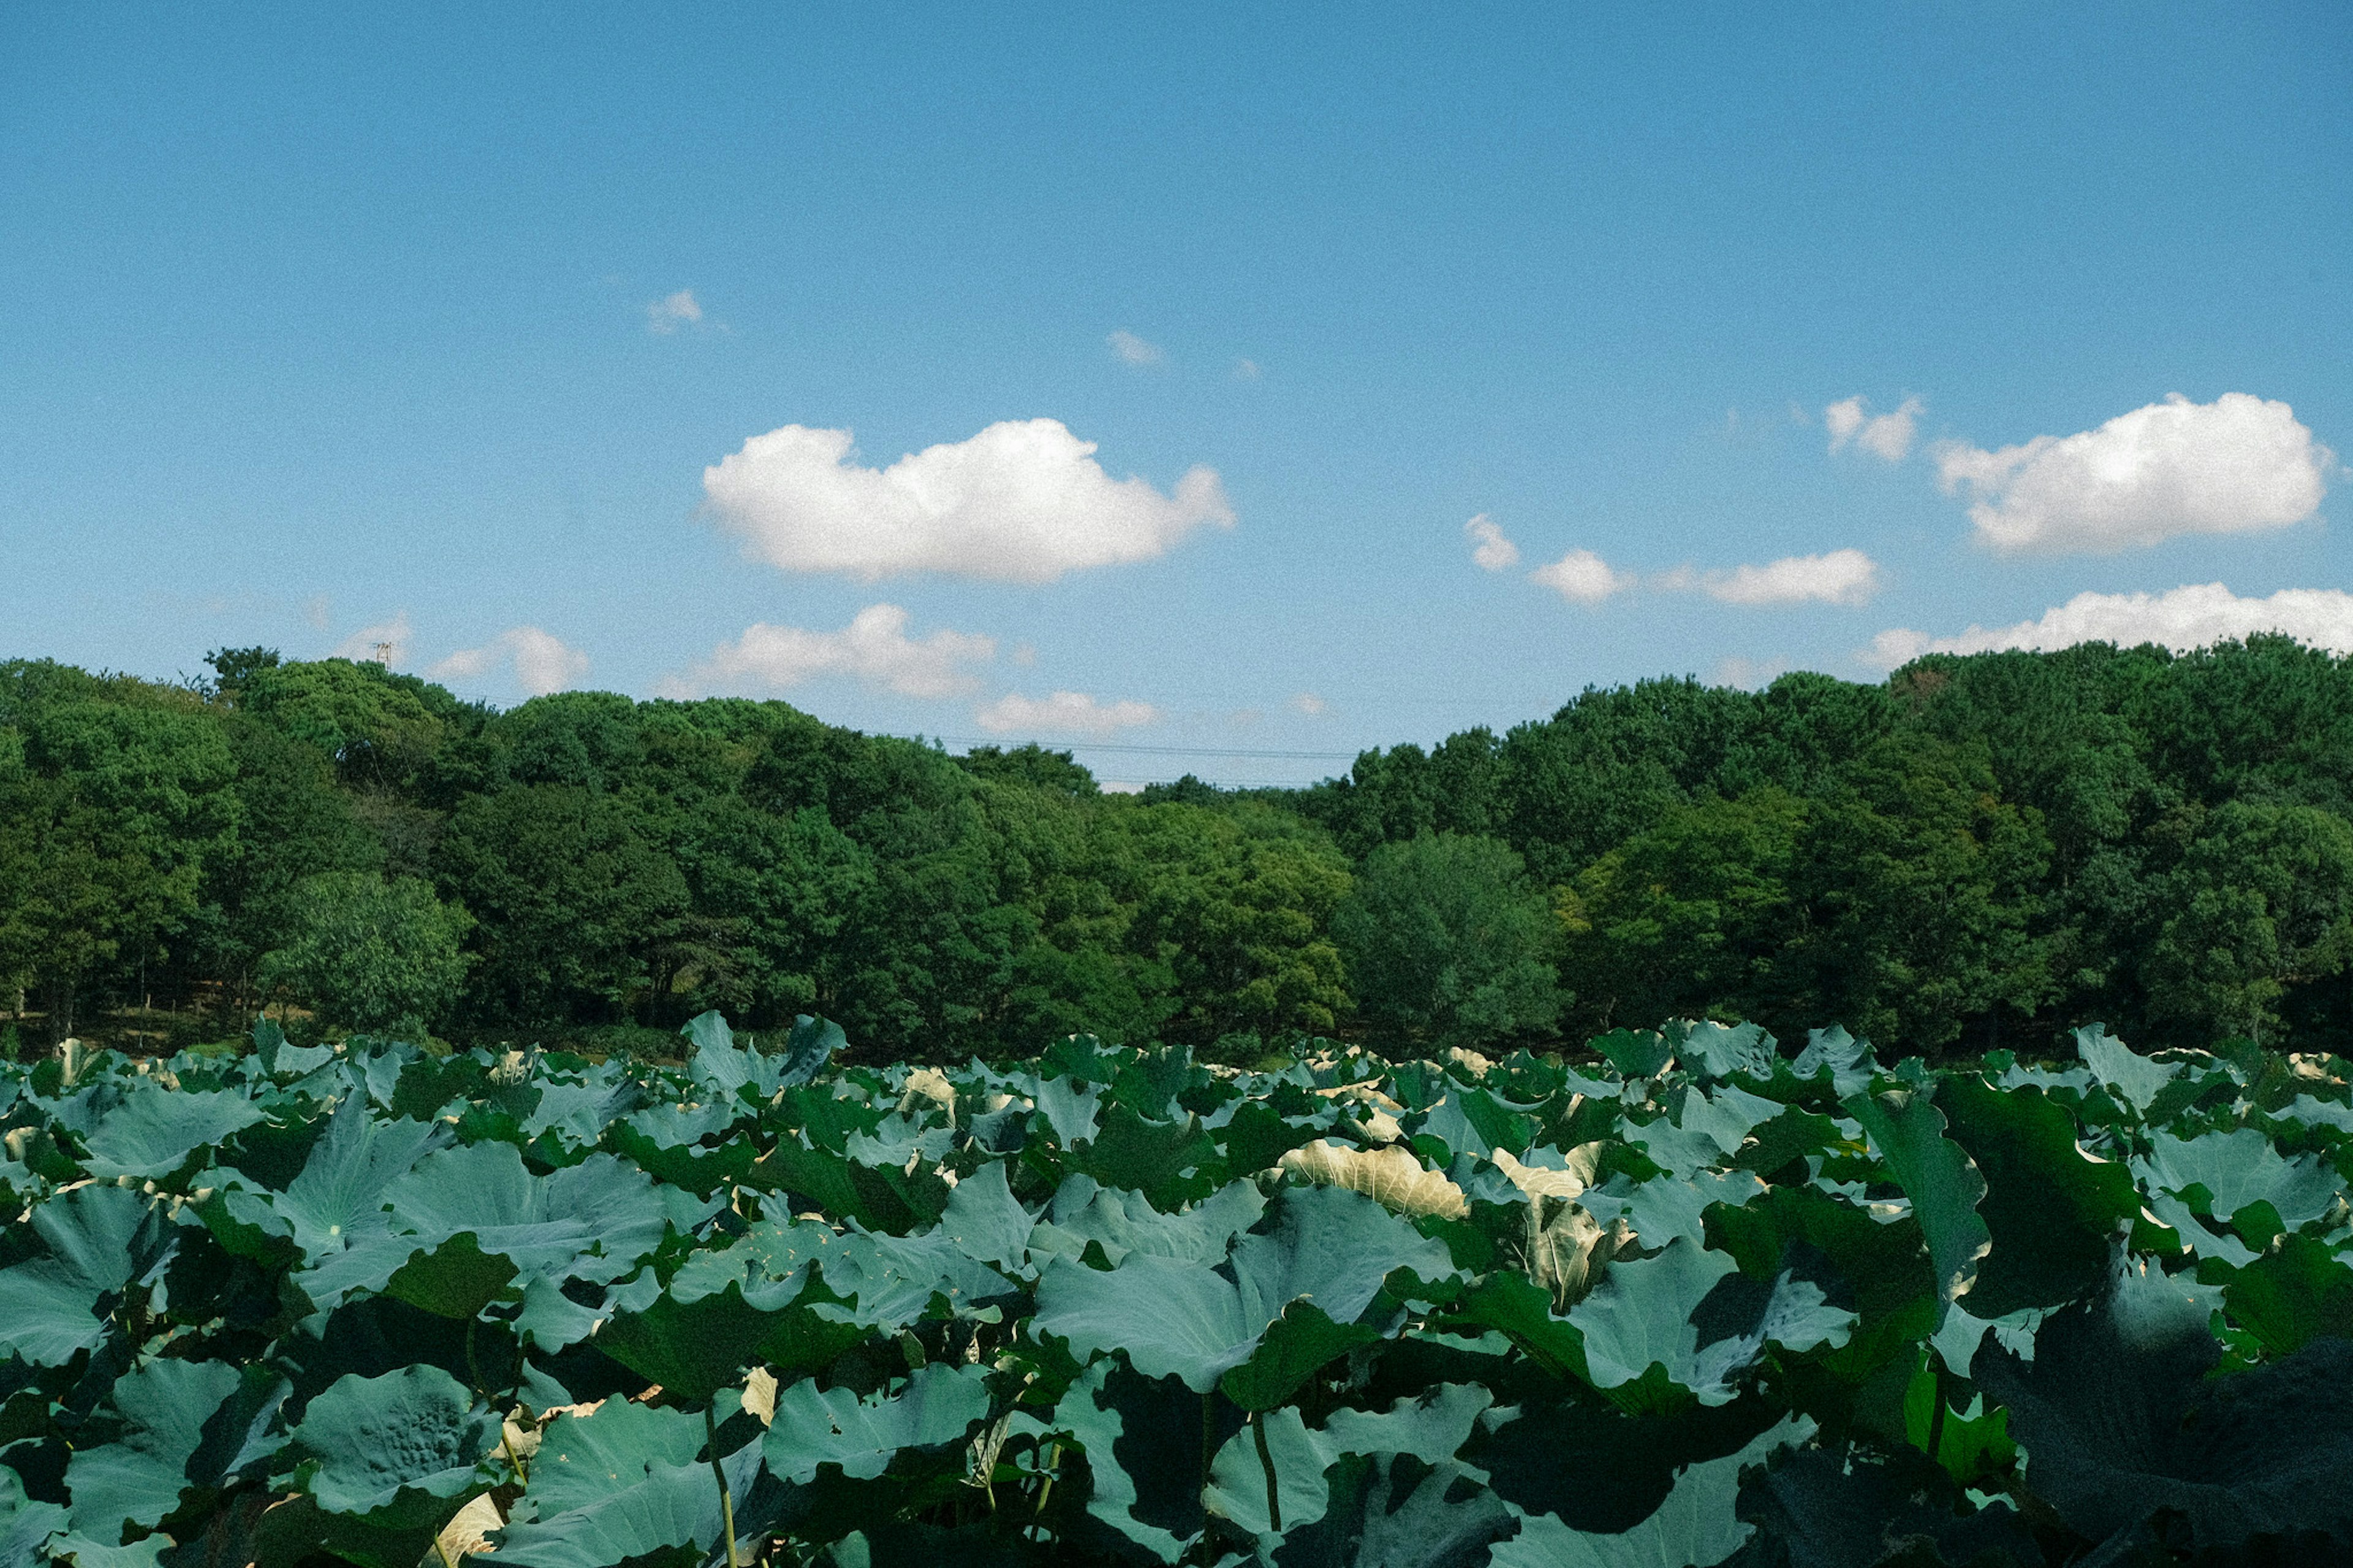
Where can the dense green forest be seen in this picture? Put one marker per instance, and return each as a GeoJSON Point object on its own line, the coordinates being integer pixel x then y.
{"type": "Point", "coordinates": [1979, 851]}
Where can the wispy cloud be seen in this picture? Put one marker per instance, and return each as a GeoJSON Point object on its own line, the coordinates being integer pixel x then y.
{"type": "Point", "coordinates": [2237, 465]}
{"type": "Point", "coordinates": [385, 643]}
{"type": "Point", "coordinates": [1494, 552]}
{"type": "Point", "coordinates": [1839, 577]}
{"type": "Point", "coordinates": [1129, 349]}
{"type": "Point", "coordinates": [1246, 369]}
{"type": "Point", "coordinates": [1886, 435]}
{"type": "Point", "coordinates": [2190, 616]}
{"type": "Point", "coordinates": [1307, 702]}
{"type": "Point", "coordinates": [1023, 501]}
{"type": "Point", "coordinates": [543, 662]}
{"type": "Point", "coordinates": [1061, 713]}
{"type": "Point", "coordinates": [667, 314]}
{"type": "Point", "coordinates": [874, 649]}
{"type": "Point", "coordinates": [1582, 576]}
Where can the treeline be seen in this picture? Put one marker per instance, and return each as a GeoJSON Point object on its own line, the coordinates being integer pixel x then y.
{"type": "Point", "coordinates": [1978, 852]}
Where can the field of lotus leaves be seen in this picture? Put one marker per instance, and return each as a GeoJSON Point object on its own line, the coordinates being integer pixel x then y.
{"type": "Point", "coordinates": [1700, 1298]}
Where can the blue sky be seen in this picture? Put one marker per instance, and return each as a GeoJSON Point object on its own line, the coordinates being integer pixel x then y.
{"type": "Point", "coordinates": [320, 327]}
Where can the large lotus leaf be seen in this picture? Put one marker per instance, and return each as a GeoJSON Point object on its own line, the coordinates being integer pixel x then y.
{"type": "Point", "coordinates": [1824, 1508]}
{"type": "Point", "coordinates": [719, 1065]}
{"type": "Point", "coordinates": [2053, 1210]}
{"type": "Point", "coordinates": [1175, 1319]}
{"type": "Point", "coordinates": [1184, 1318]}
{"type": "Point", "coordinates": [1639, 1317]}
{"type": "Point", "coordinates": [1694, 1527]}
{"type": "Point", "coordinates": [1936, 1173]}
{"type": "Point", "coordinates": [884, 1198]}
{"type": "Point", "coordinates": [725, 1309]}
{"type": "Point", "coordinates": [809, 1045]}
{"type": "Point", "coordinates": [1297, 1345]}
{"type": "Point", "coordinates": [1143, 1445]}
{"type": "Point", "coordinates": [25, 1524]}
{"type": "Point", "coordinates": [1666, 1207]}
{"type": "Point", "coordinates": [579, 1113]}
{"type": "Point", "coordinates": [154, 1131]}
{"type": "Point", "coordinates": [1727, 1116]}
{"type": "Point", "coordinates": [900, 1139]}
{"type": "Point", "coordinates": [2300, 1291]}
{"type": "Point", "coordinates": [1596, 1467]}
{"type": "Point", "coordinates": [1269, 1477]}
{"type": "Point", "coordinates": [915, 1543]}
{"type": "Point", "coordinates": [2119, 1419]}
{"type": "Point", "coordinates": [985, 1222]}
{"type": "Point", "coordinates": [1120, 1223]}
{"type": "Point", "coordinates": [898, 1279]}
{"type": "Point", "coordinates": [583, 1457]}
{"type": "Point", "coordinates": [1391, 1175]}
{"type": "Point", "coordinates": [1395, 1511]}
{"type": "Point", "coordinates": [2126, 1075]}
{"type": "Point", "coordinates": [2237, 1169]}
{"type": "Point", "coordinates": [100, 1240]}
{"type": "Point", "coordinates": [1847, 1060]}
{"type": "Point", "coordinates": [1635, 1053]}
{"type": "Point", "coordinates": [337, 1199]}
{"type": "Point", "coordinates": [1431, 1425]}
{"type": "Point", "coordinates": [2313, 1113]}
{"type": "Point", "coordinates": [812, 1428]}
{"type": "Point", "coordinates": [594, 1221]}
{"type": "Point", "coordinates": [1333, 1247]}
{"type": "Point", "coordinates": [400, 1450]}
{"type": "Point", "coordinates": [663, 1514]}
{"type": "Point", "coordinates": [137, 1478]}
{"type": "Point", "coordinates": [1159, 1159]}
{"type": "Point", "coordinates": [1720, 1050]}
{"type": "Point", "coordinates": [1072, 1110]}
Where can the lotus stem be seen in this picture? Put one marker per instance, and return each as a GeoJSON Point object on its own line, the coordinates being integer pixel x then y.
{"type": "Point", "coordinates": [1266, 1463]}
{"type": "Point", "coordinates": [719, 1474]}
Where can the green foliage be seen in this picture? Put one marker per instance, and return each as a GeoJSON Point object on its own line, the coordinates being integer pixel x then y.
{"type": "Point", "coordinates": [371, 955]}
{"type": "Point", "coordinates": [1689, 1298]}
{"type": "Point", "coordinates": [1446, 940]}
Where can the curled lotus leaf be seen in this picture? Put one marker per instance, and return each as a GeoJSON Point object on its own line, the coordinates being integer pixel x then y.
{"type": "Point", "coordinates": [1391, 1177]}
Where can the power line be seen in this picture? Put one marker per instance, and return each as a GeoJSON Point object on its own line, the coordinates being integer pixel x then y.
{"type": "Point", "coordinates": [1159, 750]}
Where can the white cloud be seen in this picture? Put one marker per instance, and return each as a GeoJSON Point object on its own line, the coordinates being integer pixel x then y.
{"type": "Point", "coordinates": [873, 649]}
{"type": "Point", "coordinates": [1840, 577]}
{"type": "Point", "coordinates": [2181, 618]}
{"type": "Point", "coordinates": [672, 311]}
{"type": "Point", "coordinates": [1246, 369]}
{"type": "Point", "coordinates": [543, 661]}
{"type": "Point", "coordinates": [1583, 576]}
{"type": "Point", "coordinates": [315, 610]}
{"type": "Point", "coordinates": [2237, 465]}
{"type": "Point", "coordinates": [1307, 702]}
{"type": "Point", "coordinates": [1063, 712]}
{"type": "Point", "coordinates": [1129, 349]}
{"type": "Point", "coordinates": [1496, 552]}
{"type": "Point", "coordinates": [385, 643]}
{"type": "Point", "coordinates": [1023, 501]}
{"type": "Point", "coordinates": [1886, 436]}
{"type": "Point", "coordinates": [1750, 674]}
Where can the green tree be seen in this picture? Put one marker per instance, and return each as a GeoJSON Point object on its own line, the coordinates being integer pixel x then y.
{"type": "Point", "coordinates": [2263, 903]}
{"type": "Point", "coordinates": [1692, 916]}
{"type": "Point", "coordinates": [113, 794]}
{"type": "Point", "coordinates": [372, 955]}
{"type": "Point", "coordinates": [1444, 938]}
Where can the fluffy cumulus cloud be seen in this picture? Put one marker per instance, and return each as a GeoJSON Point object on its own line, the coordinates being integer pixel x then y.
{"type": "Point", "coordinates": [2185, 617]}
{"type": "Point", "coordinates": [1840, 577]}
{"type": "Point", "coordinates": [1583, 576]}
{"type": "Point", "coordinates": [2237, 465]}
{"type": "Point", "coordinates": [1493, 552]}
{"type": "Point", "coordinates": [385, 643]}
{"type": "Point", "coordinates": [1129, 349]}
{"type": "Point", "coordinates": [1886, 435]}
{"type": "Point", "coordinates": [543, 662]}
{"type": "Point", "coordinates": [668, 313]}
{"type": "Point", "coordinates": [1061, 713]}
{"type": "Point", "coordinates": [873, 649]}
{"type": "Point", "coordinates": [1023, 501]}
